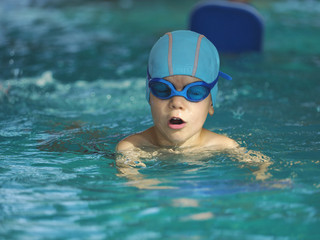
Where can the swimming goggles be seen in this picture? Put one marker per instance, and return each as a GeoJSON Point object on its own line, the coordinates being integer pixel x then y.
{"type": "Point", "coordinates": [193, 92]}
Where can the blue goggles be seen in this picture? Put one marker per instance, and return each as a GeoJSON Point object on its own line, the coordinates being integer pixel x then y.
{"type": "Point", "coordinates": [193, 92]}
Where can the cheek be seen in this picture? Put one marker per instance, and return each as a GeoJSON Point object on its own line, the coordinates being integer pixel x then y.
{"type": "Point", "coordinates": [202, 107]}
{"type": "Point", "coordinates": [200, 112]}
{"type": "Point", "coordinates": [156, 109]}
{"type": "Point", "coordinates": [154, 102]}
{"type": "Point", "coordinates": [155, 113]}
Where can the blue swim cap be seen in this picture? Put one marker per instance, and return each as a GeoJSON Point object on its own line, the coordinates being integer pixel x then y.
{"type": "Point", "coordinates": [184, 52]}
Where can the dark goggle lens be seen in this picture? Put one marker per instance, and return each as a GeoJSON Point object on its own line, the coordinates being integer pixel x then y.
{"type": "Point", "coordinates": [160, 90]}
{"type": "Point", "coordinates": [198, 93]}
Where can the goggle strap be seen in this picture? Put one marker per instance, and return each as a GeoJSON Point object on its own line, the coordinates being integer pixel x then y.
{"type": "Point", "coordinates": [149, 77]}
{"type": "Point", "coordinates": [225, 76]}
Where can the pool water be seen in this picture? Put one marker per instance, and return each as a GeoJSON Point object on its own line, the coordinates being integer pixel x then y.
{"type": "Point", "coordinates": [72, 85]}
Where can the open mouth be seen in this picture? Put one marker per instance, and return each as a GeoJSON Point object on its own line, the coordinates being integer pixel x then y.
{"type": "Point", "coordinates": [176, 123]}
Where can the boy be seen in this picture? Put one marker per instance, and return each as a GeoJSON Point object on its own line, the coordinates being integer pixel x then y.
{"type": "Point", "coordinates": [181, 88]}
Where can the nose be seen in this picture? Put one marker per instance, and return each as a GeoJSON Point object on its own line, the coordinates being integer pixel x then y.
{"type": "Point", "coordinates": [177, 102]}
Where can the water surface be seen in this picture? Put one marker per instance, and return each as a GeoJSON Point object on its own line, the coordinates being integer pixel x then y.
{"type": "Point", "coordinates": [72, 85]}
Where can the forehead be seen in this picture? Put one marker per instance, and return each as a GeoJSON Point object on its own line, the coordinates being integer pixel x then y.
{"type": "Point", "coordinates": [181, 80]}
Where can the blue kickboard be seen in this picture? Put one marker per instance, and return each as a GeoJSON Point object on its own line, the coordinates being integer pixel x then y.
{"type": "Point", "coordinates": [232, 27]}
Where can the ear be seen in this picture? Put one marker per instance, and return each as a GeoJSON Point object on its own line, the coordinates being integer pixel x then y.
{"type": "Point", "coordinates": [211, 110]}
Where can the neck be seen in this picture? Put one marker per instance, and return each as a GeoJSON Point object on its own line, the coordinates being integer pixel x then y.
{"type": "Point", "coordinates": [159, 140]}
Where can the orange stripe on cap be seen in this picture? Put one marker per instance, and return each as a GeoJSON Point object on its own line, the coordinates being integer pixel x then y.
{"type": "Point", "coordinates": [170, 54]}
{"type": "Point", "coordinates": [196, 58]}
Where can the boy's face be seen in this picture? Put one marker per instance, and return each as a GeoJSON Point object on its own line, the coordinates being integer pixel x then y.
{"type": "Point", "coordinates": [178, 121]}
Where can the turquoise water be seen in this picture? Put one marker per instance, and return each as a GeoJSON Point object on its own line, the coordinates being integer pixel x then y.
{"type": "Point", "coordinates": [72, 85]}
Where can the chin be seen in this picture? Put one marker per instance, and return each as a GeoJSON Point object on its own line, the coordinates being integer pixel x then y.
{"type": "Point", "coordinates": [177, 139]}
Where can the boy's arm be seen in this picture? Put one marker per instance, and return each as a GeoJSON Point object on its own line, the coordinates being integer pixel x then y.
{"type": "Point", "coordinates": [128, 164]}
{"type": "Point", "coordinates": [254, 157]}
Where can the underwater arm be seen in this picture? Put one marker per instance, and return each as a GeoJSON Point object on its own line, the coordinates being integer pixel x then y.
{"type": "Point", "coordinates": [254, 159]}
{"type": "Point", "coordinates": [128, 164]}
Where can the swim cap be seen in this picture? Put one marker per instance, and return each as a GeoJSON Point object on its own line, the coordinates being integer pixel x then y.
{"type": "Point", "coordinates": [184, 52]}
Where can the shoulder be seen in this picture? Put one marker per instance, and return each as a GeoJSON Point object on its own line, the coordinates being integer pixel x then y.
{"type": "Point", "coordinates": [134, 141]}
{"type": "Point", "coordinates": [125, 144]}
{"type": "Point", "coordinates": [218, 141]}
